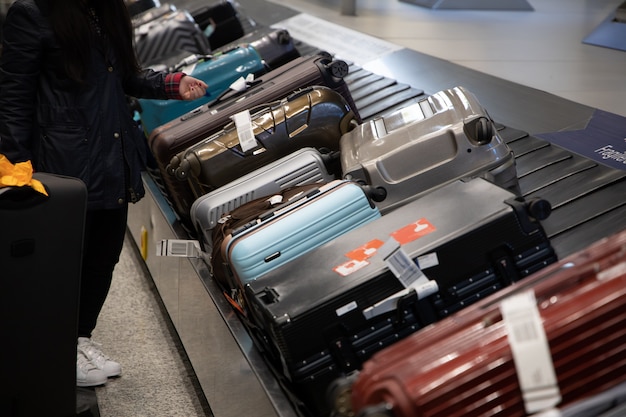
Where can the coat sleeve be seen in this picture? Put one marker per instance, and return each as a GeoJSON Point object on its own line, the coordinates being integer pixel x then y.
{"type": "Point", "coordinates": [20, 64]}
{"type": "Point", "coordinates": [147, 84]}
{"type": "Point", "coordinates": [152, 84]}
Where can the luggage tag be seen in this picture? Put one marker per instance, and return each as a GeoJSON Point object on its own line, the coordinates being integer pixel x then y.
{"type": "Point", "coordinates": [407, 272]}
{"type": "Point", "coordinates": [239, 85]}
{"type": "Point", "coordinates": [179, 248]}
{"type": "Point", "coordinates": [531, 352]}
{"type": "Point", "coordinates": [243, 124]}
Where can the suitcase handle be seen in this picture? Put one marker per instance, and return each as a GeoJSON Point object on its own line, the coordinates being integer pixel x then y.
{"type": "Point", "coordinates": [530, 212]}
{"type": "Point", "coordinates": [17, 198]}
{"type": "Point", "coordinates": [276, 208]}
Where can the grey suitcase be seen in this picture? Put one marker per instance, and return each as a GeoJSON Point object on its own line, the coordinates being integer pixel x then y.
{"type": "Point", "coordinates": [445, 137]}
{"type": "Point", "coordinates": [169, 34]}
{"type": "Point", "coordinates": [305, 166]}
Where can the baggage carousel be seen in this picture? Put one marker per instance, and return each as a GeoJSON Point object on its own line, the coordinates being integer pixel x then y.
{"type": "Point", "coordinates": [585, 185]}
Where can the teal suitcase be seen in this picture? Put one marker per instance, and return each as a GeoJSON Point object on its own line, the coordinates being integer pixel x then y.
{"type": "Point", "coordinates": [220, 71]}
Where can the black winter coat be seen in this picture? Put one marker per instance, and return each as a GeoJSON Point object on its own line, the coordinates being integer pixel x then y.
{"type": "Point", "coordinates": [87, 131]}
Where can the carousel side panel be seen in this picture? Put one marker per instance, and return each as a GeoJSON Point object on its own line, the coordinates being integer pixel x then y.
{"type": "Point", "coordinates": [217, 345]}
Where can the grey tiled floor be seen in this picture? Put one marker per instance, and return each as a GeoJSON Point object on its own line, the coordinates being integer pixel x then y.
{"type": "Point", "coordinates": [134, 329]}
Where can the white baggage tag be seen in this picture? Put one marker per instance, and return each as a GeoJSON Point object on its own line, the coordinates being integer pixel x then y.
{"type": "Point", "coordinates": [531, 352]}
{"type": "Point", "coordinates": [400, 264]}
{"type": "Point", "coordinates": [243, 124]}
{"type": "Point", "coordinates": [409, 274]}
{"type": "Point", "coordinates": [179, 248]}
{"type": "Point", "coordinates": [241, 84]}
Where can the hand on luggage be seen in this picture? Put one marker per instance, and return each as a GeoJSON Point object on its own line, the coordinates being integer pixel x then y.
{"type": "Point", "coordinates": [192, 88]}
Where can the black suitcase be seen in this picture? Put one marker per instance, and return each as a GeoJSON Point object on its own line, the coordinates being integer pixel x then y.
{"type": "Point", "coordinates": [136, 7]}
{"type": "Point", "coordinates": [177, 135]}
{"type": "Point", "coordinates": [220, 21]}
{"type": "Point", "coordinates": [41, 242]}
{"type": "Point", "coordinates": [276, 48]}
{"type": "Point", "coordinates": [324, 314]}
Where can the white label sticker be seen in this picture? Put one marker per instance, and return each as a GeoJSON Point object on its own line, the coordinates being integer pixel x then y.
{"type": "Point", "coordinates": [346, 309]}
{"type": "Point", "coordinates": [179, 248]}
{"type": "Point", "coordinates": [531, 352]}
{"type": "Point", "coordinates": [243, 123]}
{"type": "Point", "coordinates": [427, 261]}
{"type": "Point", "coordinates": [239, 85]}
{"type": "Point", "coordinates": [400, 264]}
{"type": "Point", "coordinates": [409, 275]}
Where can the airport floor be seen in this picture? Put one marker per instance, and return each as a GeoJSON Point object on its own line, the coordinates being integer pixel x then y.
{"type": "Point", "coordinates": [542, 49]}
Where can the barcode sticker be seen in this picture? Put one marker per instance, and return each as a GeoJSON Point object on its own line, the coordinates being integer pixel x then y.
{"type": "Point", "coordinates": [531, 352]}
{"type": "Point", "coordinates": [409, 275]}
{"type": "Point", "coordinates": [400, 264]}
{"type": "Point", "coordinates": [179, 247]}
{"type": "Point", "coordinates": [243, 124]}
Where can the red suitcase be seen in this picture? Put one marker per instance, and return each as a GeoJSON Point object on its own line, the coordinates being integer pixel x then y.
{"type": "Point", "coordinates": [464, 365]}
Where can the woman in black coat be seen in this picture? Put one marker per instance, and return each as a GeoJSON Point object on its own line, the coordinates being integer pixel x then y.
{"type": "Point", "coordinates": [66, 69]}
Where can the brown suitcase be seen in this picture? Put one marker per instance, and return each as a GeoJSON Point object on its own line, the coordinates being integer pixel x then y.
{"type": "Point", "coordinates": [464, 366]}
{"type": "Point", "coordinates": [314, 117]}
{"type": "Point", "coordinates": [177, 135]}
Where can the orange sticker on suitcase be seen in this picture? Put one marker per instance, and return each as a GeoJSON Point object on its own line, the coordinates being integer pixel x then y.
{"type": "Point", "coordinates": [366, 251]}
{"type": "Point", "coordinates": [413, 231]}
{"type": "Point", "coordinates": [349, 267]}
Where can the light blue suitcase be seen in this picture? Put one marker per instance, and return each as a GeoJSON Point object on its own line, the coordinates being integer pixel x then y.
{"type": "Point", "coordinates": [294, 228]}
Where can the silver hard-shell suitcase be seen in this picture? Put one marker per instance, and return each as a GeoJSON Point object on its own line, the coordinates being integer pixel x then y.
{"type": "Point", "coordinates": [305, 166]}
{"type": "Point", "coordinates": [445, 137]}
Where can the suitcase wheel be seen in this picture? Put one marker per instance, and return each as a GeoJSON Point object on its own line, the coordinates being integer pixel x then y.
{"type": "Point", "coordinates": [338, 395]}
{"type": "Point", "coordinates": [182, 172]}
{"type": "Point", "coordinates": [339, 69]}
{"type": "Point", "coordinates": [171, 167]}
{"type": "Point", "coordinates": [539, 208]}
{"type": "Point", "coordinates": [283, 37]}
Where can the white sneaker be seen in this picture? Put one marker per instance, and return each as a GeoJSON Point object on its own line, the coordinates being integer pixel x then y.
{"type": "Point", "coordinates": [99, 359]}
{"type": "Point", "coordinates": [87, 374]}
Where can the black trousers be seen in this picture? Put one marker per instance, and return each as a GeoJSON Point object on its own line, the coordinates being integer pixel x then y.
{"type": "Point", "coordinates": [104, 238]}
